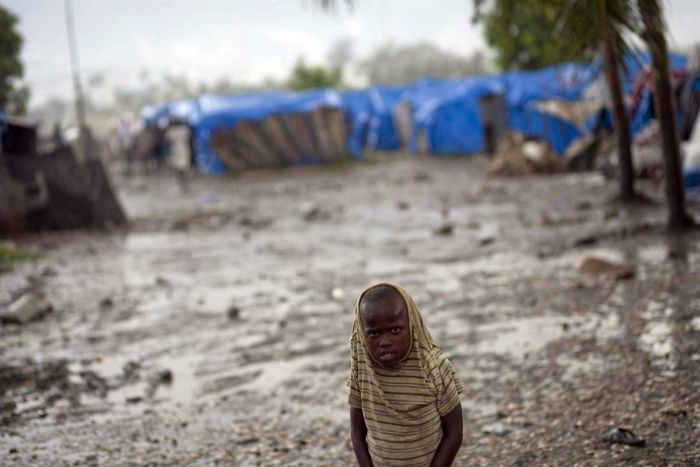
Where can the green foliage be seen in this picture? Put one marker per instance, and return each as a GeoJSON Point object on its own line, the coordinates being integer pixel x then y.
{"type": "Point", "coordinates": [8, 254]}
{"type": "Point", "coordinates": [524, 33]}
{"type": "Point", "coordinates": [588, 25]}
{"type": "Point", "coordinates": [312, 77]}
{"type": "Point", "coordinates": [13, 98]}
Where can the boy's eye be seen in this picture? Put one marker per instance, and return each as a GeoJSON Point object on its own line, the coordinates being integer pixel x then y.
{"type": "Point", "coordinates": [372, 333]}
{"type": "Point", "coordinates": [395, 330]}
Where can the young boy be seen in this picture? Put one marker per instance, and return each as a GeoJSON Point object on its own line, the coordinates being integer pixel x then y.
{"type": "Point", "coordinates": [403, 392]}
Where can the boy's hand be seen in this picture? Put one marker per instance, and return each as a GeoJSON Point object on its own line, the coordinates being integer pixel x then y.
{"type": "Point", "coordinates": [358, 434]}
{"type": "Point", "coordinates": [451, 438]}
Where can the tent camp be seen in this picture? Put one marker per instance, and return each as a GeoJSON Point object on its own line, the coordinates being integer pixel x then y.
{"type": "Point", "coordinates": [434, 116]}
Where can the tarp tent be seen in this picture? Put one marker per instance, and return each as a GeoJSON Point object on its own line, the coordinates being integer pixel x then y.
{"type": "Point", "coordinates": [383, 134]}
{"type": "Point", "coordinates": [216, 112]}
{"type": "Point", "coordinates": [446, 114]}
{"type": "Point", "coordinates": [183, 109]}
{"type": "Point", "coordinates": [358, 110]}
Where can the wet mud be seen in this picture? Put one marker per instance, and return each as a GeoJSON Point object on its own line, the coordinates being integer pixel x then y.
{"type": "Point", "coordinates": [214, 330]}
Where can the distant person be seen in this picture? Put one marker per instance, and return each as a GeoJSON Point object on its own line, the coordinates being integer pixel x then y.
{"type": "Point", "coordinates": [178, 137]}
{"type": "Point", "coordinates": [403, 392]}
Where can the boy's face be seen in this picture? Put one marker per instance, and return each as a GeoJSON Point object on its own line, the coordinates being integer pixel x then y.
{"type": "Point", "coordinates": [386, 329]}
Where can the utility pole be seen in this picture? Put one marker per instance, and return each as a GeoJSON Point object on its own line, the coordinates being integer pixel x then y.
{"type": "Point", "coordinates": [77, 88]}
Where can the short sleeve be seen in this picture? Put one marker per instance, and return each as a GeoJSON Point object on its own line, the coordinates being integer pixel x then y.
{"type": "Point", "coordinates": [354, 398]}
{"type": "Point", "coordinates": [447, 384]}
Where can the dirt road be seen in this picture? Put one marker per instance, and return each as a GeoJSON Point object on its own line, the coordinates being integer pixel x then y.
{"type": "Point", "coordinates": [215, 329]}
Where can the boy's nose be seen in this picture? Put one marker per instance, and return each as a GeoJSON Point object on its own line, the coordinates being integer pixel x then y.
{"type": "Point", "coordinates": [385, 342]}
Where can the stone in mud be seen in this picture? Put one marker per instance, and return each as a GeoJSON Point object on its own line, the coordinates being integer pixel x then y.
{"type": "Point", "coordinates": [163, 376]}
{"type": "Point", "coordinates": [7, 411]}
{"type": "Point", "coordinates": [444, 230]}
{"type": "Point", "coordinates": [672, 409]}
{"type": "Point", "coordinates": [337, 293]}
{"type": "Point", "coordinates": [312, 212]}
{"type": "Point", "coordinates": [623, 436]}
{"type": "Point", "coordinates": [586, 240]}
{"type": "Point", "coordinates": [599, 267]}
{"type": "Point", "coordinates": [233, 313]}
{"type": "Point", "coordinates": [29, 307]}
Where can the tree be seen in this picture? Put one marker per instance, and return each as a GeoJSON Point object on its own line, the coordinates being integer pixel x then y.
{"type": "Point", "coordinates": [583, 27]}
{"type": "Point", "coordinates": [312, 77]}
{"type": "Point", "coordinates": [654, 28]}
{"type": "Point", "coordinates": [521, 34]}
{"type": "Point", "coordinates": [608, 24]}
{"type": "Point", "coordinates": [13, 97]}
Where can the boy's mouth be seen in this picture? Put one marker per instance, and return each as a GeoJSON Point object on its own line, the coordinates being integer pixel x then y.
{"type": "Point", "coordinates": [387, 355]}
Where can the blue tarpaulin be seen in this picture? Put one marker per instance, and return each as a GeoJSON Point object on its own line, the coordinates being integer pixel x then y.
{"type": "Point", "coordinates": [214, 112]}
{"type": "Point", "coordinates": [383, 134]}
{"type": "Point", "coordinates": [358, 110]}
{"type": "Point", "coordinates": [445, 111]}
{"type": "Point", "coordinates": [447, 114]}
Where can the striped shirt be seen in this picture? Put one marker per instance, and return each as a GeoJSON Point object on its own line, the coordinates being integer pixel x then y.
{"type": "Point", "coordinates": [402, 407]}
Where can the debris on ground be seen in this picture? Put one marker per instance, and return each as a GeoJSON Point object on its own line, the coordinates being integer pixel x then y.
{"type": "Point", "coordinates": [498, 429]}
{"type": "Point", "coordinates": [337, 293]}
{"type": "Point", "coordinates": [29, 307]}
{"type": "Point", "coordinates": [623, 436]}
{"type": "Point", "coordinates": [444, 230]}
{"type": "Point", "coordinates": [516, 155]}
{"type": "Point", "coordinates": [233, 313]}
{"type": "Point", "coordinates": [585, 240]}
{"type": "Point", "coordinates": [312, 212]}
{"type": "Point", "coordinates": [647, 151]}
{"type": "Point", "coordinates": [599, 267]}
{"type": "Point", "coordinates": [590, 152]}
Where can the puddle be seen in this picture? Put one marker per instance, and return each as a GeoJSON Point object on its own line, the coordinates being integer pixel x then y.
{"type": "Point", "coordinates": [263, 377]}
{"type": "Point", "coordinates": [182, 391]}
{"type": "Point", "coordinates": [513, 337]}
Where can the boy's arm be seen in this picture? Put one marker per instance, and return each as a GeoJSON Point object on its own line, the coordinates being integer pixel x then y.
{"type": "Point", "coordinates": [451, 438]}
{"type": "Point", "coordinates": [358, 433]}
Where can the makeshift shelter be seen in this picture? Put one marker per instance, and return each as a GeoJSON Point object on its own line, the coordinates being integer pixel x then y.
{"type": "Point", "coordinates": [446, 116]}
{"type": "Point", "coordinates": [269, 129]}
{"type": "Point", "coordinates": [358, 110]}
{"type": "Point", "coordinates": [50, 191]}
{"type": "Point", "coordinates": [383, 132]}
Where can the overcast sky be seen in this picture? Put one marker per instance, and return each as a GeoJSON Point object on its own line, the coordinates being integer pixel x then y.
{"type": "Point", "coordinates": [243, 40]}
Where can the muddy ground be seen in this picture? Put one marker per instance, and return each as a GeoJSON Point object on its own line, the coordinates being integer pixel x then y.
{"type": "Point", "coordinates": [215, 329]}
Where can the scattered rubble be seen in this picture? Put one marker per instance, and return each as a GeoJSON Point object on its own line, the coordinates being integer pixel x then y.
{"type": "Point", "coordinates": [444, 230]}
{"type": "Point", "coordinates": [623, 436]}
{"type": "Point", "coordinates": [29, 307]}
{"type": "Point", "coordinates": [233, 313]}
{"type": "Point", "coordinates": [516, 155]}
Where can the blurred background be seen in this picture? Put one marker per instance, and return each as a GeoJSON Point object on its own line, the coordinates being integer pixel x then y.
{"type": "Point", "coordinates": [193, 194]}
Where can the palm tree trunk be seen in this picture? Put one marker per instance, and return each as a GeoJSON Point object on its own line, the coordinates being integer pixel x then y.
{"type": "Point", "coordinates": [622, 129]}
{"type": "Point", "coordinates": [656, 41]}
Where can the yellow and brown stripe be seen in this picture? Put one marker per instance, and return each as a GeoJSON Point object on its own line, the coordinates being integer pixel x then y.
{"type": "Point", "coordinates": [402, 407]}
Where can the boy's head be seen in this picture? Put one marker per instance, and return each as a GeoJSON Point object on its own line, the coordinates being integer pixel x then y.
{"type": "Point", "coordinates": [385, 323]}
